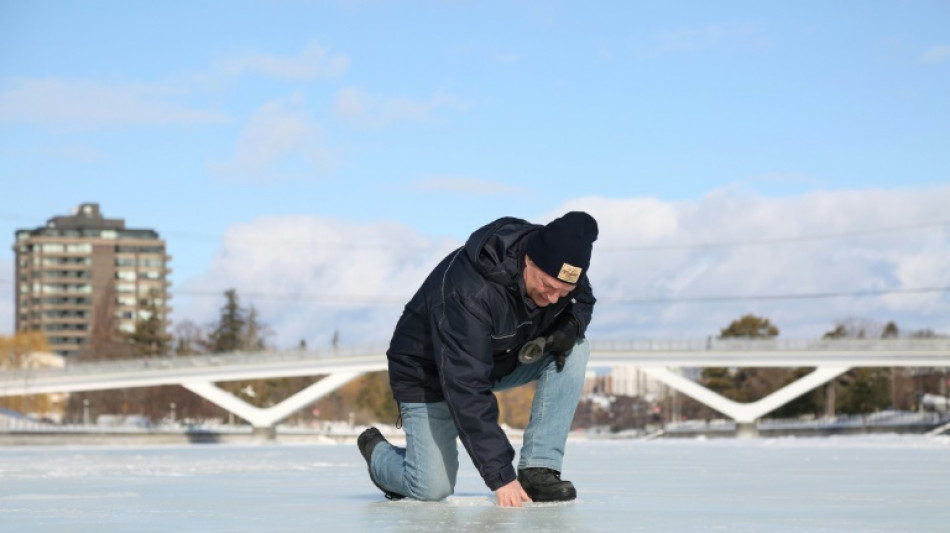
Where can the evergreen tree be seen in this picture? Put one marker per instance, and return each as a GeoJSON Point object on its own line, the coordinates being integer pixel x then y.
{"type": "Point", "coordinates": [239, 328]}
{"type": "Point", "coordinates": [890, 331]}
{"type": "Point", "coordinates": [810, 403]}
{"type": "Point", "coordinates": [749, 327]}
{"type": "Point", "coordinates": [150, 337]}
{"type": "Point", "coordinates": [743, 384]}
{"type": "Point", "coordinates": [862, 390]}
{"type": "Point", "coordinates": [229, 332]}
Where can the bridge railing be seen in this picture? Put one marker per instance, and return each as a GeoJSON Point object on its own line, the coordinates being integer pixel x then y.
{"type": "Point", "coordinates": [659, 346]}
{"type": "Point", "coordinates": [767, 345]}
{"type": "Point", "coordinates": [160, 362]}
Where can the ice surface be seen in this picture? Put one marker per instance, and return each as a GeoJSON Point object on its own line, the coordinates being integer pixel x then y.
{"type": "Point", "coordinates": [844, 484]}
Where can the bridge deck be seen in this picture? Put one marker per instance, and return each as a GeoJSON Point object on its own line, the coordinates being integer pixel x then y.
{"type": "Point", "coordinates": [646, 354]}
{"type": "Point", "coordinates": [657, 358]}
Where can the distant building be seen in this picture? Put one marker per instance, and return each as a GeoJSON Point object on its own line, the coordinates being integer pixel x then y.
{"type": "Point", "coordinates": [631, 381]}
{"type": "Point", "coordinates": [81, 264]}
{"type": "Point", "coordinates": [623, 380]}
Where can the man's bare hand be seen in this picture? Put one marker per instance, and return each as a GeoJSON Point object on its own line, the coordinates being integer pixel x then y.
{"type": "Point", "coordinates": [511, 495]}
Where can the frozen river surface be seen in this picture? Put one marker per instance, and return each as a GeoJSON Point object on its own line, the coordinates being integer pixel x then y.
{"type": "Point", "coordinates": [847, 484]}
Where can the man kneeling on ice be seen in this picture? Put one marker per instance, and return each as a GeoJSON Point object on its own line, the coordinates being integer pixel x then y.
{"type": "Point", "coordinates": [508, 308]}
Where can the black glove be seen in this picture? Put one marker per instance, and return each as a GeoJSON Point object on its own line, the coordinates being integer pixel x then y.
{"type": "Point", "coordinates": [562, 338]}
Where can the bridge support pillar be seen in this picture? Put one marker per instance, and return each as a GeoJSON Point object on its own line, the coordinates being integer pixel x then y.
{"type": "Point", "coordinates": [264, 432]}
{"type": "Point", "coordinates": [746, 414]}
{"type": "Point", "coordinates": [747, 430]}
{"type": "Point", "coordinates": [264, 420]}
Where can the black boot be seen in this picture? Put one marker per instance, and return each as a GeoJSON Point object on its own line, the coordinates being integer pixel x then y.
{"type": "Point", "coordinates": [366, 442]}
{"type": "Point", "coordinates": [545, 485]}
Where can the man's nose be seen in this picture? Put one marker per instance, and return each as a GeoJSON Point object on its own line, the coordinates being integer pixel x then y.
{"type": "Point", "coordinates": [553, 297]}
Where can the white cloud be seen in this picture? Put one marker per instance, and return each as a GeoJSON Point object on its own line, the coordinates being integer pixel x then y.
{"type": "Point", "coordinates": [279, 141]}
{"type": "Point", "coordinates": [309, 276]}
{"type": "Point", "coordinates": [936, 54]}
{"type": "Point", "coordinates": [360, 108]}
{"type": "Point", "coordinates": [628, 269]}
{"type": "Point", "coordinates": [356, 277]}
{"type": "Point", "coordinates": [312, 62]}
{"type": "Point", "coordinates": [463, 185]}
{"type": "Point", "coordinates": [80, 103]}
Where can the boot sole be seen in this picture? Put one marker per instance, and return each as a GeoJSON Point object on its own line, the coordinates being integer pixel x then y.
{"type": "Point", "coordinates": [564, 495]}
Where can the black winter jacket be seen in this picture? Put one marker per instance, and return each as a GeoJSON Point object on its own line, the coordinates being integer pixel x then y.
{"type": "Point", "coordinates": [462, 331]}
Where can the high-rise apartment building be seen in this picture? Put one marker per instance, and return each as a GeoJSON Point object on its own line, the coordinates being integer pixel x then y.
{"type": "Point", "coordinates": [80, 269]}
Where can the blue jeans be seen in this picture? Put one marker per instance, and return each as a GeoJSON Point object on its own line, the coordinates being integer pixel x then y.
{"type": "Point", "coordinates": [427, 467]}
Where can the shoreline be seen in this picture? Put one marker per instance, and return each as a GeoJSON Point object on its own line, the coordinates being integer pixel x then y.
{"type": "Point", "coordinates": [94, 436]}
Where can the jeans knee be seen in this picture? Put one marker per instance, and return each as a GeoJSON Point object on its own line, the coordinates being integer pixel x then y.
{"type": "Point", "coordinates": [431, 492]}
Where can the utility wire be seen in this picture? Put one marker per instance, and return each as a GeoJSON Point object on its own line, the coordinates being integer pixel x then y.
{"type": "Point", "coordinates": [800, 296]}
{"type": "Point", "coordinates": [364, 299]}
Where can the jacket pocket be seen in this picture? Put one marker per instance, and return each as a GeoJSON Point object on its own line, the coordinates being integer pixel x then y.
{"type": "Point", "coordinates": [504, 343]}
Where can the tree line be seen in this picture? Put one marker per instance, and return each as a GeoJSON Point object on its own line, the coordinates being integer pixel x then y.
{"type": "Point", "coordinates": [858, 391]}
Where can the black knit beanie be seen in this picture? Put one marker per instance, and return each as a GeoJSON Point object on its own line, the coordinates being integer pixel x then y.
{"type": "Point", "coordinates": [562, 248]}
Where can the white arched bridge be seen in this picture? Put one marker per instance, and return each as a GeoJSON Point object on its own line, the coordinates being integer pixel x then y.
{"type": "Point", "coordinates": [661, 360]}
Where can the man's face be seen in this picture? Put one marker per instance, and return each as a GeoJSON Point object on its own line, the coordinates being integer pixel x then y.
{"type": "Point", "coordinates": [541, 287]}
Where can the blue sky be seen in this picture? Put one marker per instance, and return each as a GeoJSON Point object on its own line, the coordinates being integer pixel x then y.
{"type": "Point", "coordinates": [301, 129]}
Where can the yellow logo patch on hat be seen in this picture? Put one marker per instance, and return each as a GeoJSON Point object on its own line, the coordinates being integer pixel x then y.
{"type": "Point", "coordinates": [569, 273]}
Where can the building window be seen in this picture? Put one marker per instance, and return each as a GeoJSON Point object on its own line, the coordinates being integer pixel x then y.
{"type": "Point", "coordinates": [78, 288]}
{"type": "Point", "coordinates": [144, 290]}
{"type": "Point", "coordinates": [78, 248]}
{"type": "Point", "coordinates": [78, 261]}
